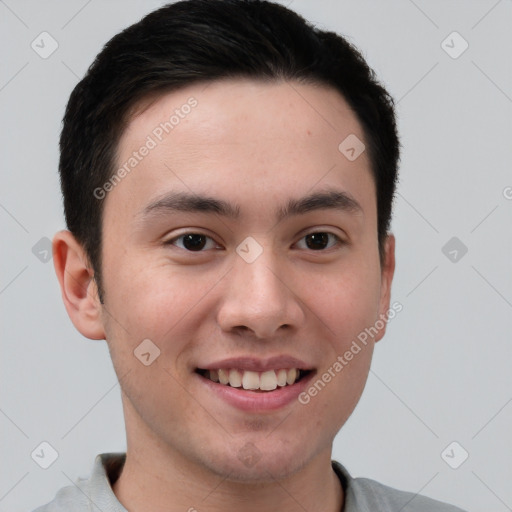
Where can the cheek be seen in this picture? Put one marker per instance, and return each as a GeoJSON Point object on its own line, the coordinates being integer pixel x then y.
{"type": "Point", "coordinates": [346, 301]}
{"type": "Point", "coordinates": [156, 301]}
{"type": "Point", "coordinates": [145, 302]}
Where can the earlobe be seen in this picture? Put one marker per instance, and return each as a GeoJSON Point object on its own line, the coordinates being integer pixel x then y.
{"type": "Point", "coordinates": [387, 272]}
{"type": "Point", "coordinates": [78, 288]}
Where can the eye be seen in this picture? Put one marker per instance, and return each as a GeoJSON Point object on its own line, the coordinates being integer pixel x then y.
{"type": "Point", "coordinates": [193, 242]}
{"type": "Point", "coordinates": [320, 240]}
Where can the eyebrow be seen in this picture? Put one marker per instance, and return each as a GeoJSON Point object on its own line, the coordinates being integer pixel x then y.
{"type": "Point", "coordinates": [327, 200]}
{"type": "Point", "coordinates": [194, 203]}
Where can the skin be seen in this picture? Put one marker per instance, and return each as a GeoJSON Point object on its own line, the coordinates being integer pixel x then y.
{"type": "Point", "coordinates": [257, 145]}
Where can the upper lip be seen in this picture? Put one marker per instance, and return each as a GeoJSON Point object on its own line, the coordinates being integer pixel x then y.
{"type": "Point", "coordinates": [258, 365]}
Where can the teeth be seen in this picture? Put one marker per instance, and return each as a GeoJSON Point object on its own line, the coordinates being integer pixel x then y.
{"type": "Point", "coordinates": [264, 381]}
{"type": "Point", "coordinates": [281, 378]}
{"type": "Point", "coordinates": [251, 380]}
{"type": "Point", "coordinates": [291, 376]}
{"type": "Point", "coordinates": [268, 380]}
{"type": "Point", "coordinates": [223, 376]}
{"type": "Point", "coordinates": [235, 378]}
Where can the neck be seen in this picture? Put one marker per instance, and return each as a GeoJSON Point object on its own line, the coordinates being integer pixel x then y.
{"type": "Point", "coordinates": [143, 486]}
{"type": "Point", "coordinates": [158, 478]}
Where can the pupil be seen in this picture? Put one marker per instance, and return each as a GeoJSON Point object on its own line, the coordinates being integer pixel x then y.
{"type": "Point", "coordinates": [318, 240]}
{"type": "Point", "coordinates": [194, 242]}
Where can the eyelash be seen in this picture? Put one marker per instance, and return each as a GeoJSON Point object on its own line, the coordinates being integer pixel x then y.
{"type": "Point", "coordinates": [338, 240]}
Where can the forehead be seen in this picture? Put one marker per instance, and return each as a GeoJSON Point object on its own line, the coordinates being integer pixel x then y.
{"type": "Point", "coordinates": [265, 109]}
{"type": "Point", "coordinates": [257, 140]}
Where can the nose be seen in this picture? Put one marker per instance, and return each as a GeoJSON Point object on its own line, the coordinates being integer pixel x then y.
{"type": "Point", "coordinates": [259, 298]}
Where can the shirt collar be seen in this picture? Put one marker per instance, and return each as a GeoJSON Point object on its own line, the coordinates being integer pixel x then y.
{"type": "Point", "coordinates": [108, 466]}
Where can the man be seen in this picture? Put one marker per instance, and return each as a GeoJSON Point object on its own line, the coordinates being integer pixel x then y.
{"type": "Point", "coordinates": [228, 174]}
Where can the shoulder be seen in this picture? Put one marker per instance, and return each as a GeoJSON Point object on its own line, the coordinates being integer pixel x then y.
{"type": "Point", "coordinates": [91, 493]}
{"type": "Point", "coordinates": [71, 498]}
{"type": "Point", "coordinates": [365, 495]}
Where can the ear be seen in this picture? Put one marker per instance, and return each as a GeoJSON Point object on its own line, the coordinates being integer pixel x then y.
{"type": "Point", "coordinates": [387, 272]}
{"type": "Point", "coordinates": [79, 290]}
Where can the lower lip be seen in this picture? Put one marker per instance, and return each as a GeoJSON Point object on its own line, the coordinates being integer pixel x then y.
{"type": "Point", "coordinates": [254, 401]}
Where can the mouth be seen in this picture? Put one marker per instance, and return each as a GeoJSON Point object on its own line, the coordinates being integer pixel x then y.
{"type": "Point", "coordinates": [249, 380]}
{"type": "Point", "coordinates": [255, 385]}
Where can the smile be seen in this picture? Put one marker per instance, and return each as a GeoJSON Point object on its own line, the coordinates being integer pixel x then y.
{"type": "Point", "coordinates": [254, 381]}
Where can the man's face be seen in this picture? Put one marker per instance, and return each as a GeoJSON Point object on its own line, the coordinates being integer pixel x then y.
{"type": "Point", "coordinates": [248, 289]}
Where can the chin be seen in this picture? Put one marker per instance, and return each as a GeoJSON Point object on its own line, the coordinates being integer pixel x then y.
{"type": "Point", "coordinates": [258, 462]}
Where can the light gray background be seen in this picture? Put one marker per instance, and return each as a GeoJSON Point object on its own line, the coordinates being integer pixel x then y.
{"type": "Point", "coordinates": [441, 374]}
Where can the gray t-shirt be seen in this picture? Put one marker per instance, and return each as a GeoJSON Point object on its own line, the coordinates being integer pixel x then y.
{"type": "Point", "coordinates": [95, 494]}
